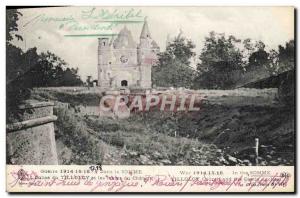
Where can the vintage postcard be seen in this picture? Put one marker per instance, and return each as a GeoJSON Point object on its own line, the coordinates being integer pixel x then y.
{"type": "Point", "coordinates": [150, 99]}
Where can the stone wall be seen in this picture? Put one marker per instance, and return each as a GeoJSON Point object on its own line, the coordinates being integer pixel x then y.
{"type": "Point", "coordinates": [31, 141]}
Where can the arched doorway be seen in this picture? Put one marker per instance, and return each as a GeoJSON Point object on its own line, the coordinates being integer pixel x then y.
{"type": "Point", "coordinates": [124, 83]}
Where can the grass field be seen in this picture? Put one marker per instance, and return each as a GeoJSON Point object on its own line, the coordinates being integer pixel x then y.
{"type": "Point", "coordinates": [222, 133]}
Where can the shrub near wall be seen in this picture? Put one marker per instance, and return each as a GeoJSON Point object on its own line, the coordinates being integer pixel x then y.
{"type": "Point", "coordinates": [73, 133]}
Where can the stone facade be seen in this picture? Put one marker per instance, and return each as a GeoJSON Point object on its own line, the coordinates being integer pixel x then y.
{"type": "Point", "coordinates": [123, 63]}
{"type": "Point", "coordinates": [31, 141]}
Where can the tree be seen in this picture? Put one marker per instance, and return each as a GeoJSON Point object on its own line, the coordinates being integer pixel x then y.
{"type": "Point", "coordinates": [71, 78]}
{"type": "Point", "coordinates": [173, 68]}
{"type": "Point", "coordinates": [181, 49]}
{"type": "Point", "coordinates": [15, 90]}
{"type": "Point", "coordinates": [221, 61]}
{"type": "Point", "coordinates": [173, 74]}
{"type": "Point", "coordinates": [51, 70]}
{"type": "Point", "coordinates": [283, 59]}
{"type": "Point", "coordinates": [258, 58]}
{"type": "Point", "coordinates": [12, 16]}
{"type": "Point", "coordinates": [283, 63]}
{"type": "Point", "coordinates": [30, 69]}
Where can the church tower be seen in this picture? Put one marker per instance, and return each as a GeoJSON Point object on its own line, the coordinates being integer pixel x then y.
{"type": "Point", "coordinates": [147, 55]}
{"type": "Point", "coordinates": [124, 63]}
{"type": "Point", "coordinates": [103, 61]}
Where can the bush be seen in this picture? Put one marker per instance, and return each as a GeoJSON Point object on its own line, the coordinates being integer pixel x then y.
{"type": "Point", "coordinates": [73, 99]}
{"type": "Point", "coordinates": [286, 90]}
{"type": "Point", "coordinates": [74, 134]}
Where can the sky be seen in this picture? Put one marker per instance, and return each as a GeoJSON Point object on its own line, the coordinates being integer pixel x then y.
{"type": "Point", "coordinates": [72, 32]}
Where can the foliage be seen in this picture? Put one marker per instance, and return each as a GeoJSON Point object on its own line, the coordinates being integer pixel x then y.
{"type": "Point", "coordinates": [73, 99]}
{"type": "Point", "coordinates": [173, 74]}
{"type": "Point", "coordinates": [283, 59]}
{"type": "Point", "coordinates": [181, 48]}
{"type": "Point", "coordinates": [51, 70]}
{"type": "Point", "coordinates": [280, 63]}
{"type": "Point", "coordinates": [139, 134]}
{"type": "Point", "coordinates": [30, 69]}
{"type": "Point", "coordinates": [12, 16]}
{"type": "Point", "coordinates": [42, 70]}
{"type": "Point", "coordinates": [231, 129]}
{"type": "Point", "coordinates": [259, 57]}
{"type": "Point", "coordinates": [181, 137]}
{"type": "Point", "coordinates": [219, 58]}
{"type": "Point", "coordinates": [173, 68]}
{"type": "Point", "coordinates": [73, 132]}
{"type": "Point", "coordinates": [225, 60]}
{"type": "Point", "coordinates": [286, 89]}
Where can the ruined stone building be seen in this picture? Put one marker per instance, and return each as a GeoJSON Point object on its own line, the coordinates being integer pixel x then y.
{"type": "Point", "coordinates": [123, 63]}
